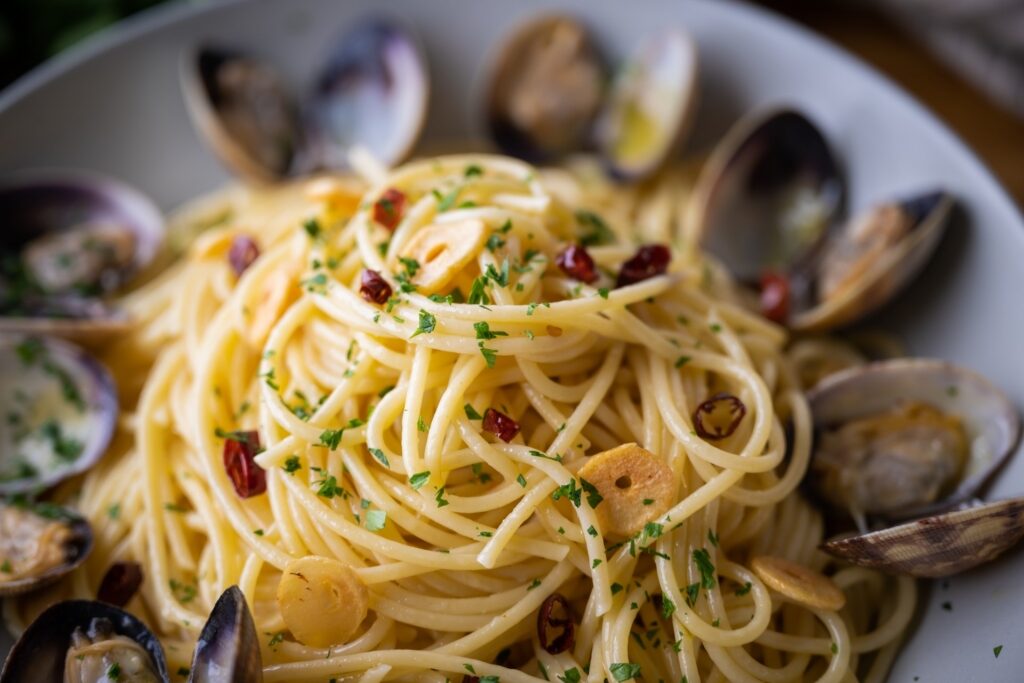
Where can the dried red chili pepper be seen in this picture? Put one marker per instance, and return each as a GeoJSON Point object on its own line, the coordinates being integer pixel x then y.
{"type": "Point", "coordinates": [577, 263]}
{"type": "Point", "coordinates": [775, 296]}
{"type": "Point", "coordinates": [239, 453]}
{"type": "Point", "coordinates": [242, 253]}
{"type": "Point", "coordinates": [548, 620]}
{"type": "Point", "coordinates": [500, 424]}
{"type": "Point", "coordinates": [120, 583]}
{"type": "Point", "coordinates": [649, 260]}
{"type": "Point", "coordinates": [718, 417]}
{"type": "Point", "coordinates": [389, 208]}
{"type": "Point", "coordinates": [373, 287]}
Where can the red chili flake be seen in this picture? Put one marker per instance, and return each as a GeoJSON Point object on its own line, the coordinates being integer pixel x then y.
{"type": "Point", "coordinates": [775, 296]}
{"type": "Point", "coordinates": [649, 260]}
{"type": "Point", "coordinates": [556, 614]}
{"type": "Point", "coordinates": [389, 208]}
{"type": "Point", "coordinates": [242, 253]}
{"type": "Point", "coordinates": [500, 424]}
{"type": "Point", "coordinates": [577, 263]}
{"type": "Point", "coordinates": [373, 287]}
{"type": "Point", "coordinates": [120, 583]}
{"type": "Point", "coordinates": [248, 477]}
{"type": "Point", "coordinates": [719, 416]}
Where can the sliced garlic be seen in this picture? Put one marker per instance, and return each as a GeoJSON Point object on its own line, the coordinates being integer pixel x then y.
{"type": "Point", "coordinates": [322, 601]}
{"type": "Point", "coordinates": [799, 583]}
{"type": "Point", "coordinates": [442, 251]}
{"type": "Point", "coordinates": [637, 487]}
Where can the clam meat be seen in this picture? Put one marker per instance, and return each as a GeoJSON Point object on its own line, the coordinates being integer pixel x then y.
{"type": "Point", "coordinates": [546, 90]}
{"type": "Point", "coordinates": [38, 545]}
{"type": "Point", "coordinates": [99, 653]}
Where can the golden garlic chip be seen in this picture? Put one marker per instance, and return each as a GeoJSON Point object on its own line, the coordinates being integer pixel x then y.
{"type": "Point", "coordinates": [322, 601]}
{"type": "Point", "coordinates": [637, 487]}
{"type": "Point", "coordinates": [799, 583]}
{"type": "Point", "coordinates": [442, 250]}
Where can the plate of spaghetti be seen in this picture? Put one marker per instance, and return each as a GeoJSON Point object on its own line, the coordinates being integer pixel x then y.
{"type": "Point", "coordinates": [500, 344]}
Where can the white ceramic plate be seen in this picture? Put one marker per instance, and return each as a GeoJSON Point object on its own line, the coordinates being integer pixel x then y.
{"type": "Point", "coordinates": [114, 105]}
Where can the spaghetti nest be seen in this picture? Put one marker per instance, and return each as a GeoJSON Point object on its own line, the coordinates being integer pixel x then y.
{"type": "Point", "coordinates": [475, 396]}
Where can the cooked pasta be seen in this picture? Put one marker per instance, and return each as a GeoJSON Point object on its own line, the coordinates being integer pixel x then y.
{"type": "Point", "coordinates": [426, 429]}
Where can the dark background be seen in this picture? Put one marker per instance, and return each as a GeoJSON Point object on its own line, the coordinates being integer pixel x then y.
{"type": "Point", "coordinates": [34, 30]}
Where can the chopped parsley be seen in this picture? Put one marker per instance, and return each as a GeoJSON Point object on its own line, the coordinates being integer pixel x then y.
{"type": "Point", "coordinates": [996, 650]}
{"type": "Point", "coordinates": [744, 589]}
{"type": "Point", "coordinates": [447, 201]}
{"type": "Point", "coordinates": [484, 331]}
{"type": "Point", "coordinates": [331, 438]}
{"type": "Point", "coordinates": [707, 570]}
{"type": "Point", "coordinates": [312, 228]}
{"type": "Point", "coordinates": [682, 360]}
{"type": "Point", "coordinates": [593, 497]}
{"type": "Point", "coordinates": [427, 324]}
{"type": "Point", "coordinates": [376, 519]}
{"type": "Point", "coordinates": [439, 498]}
{"type": "Point", "coordinates": [328, 487]}
{"type": "Point", "coordinates": [624, 671]}
{"type": "Point", "coordinates": [668, 608]}
{"type": "Point", "coordinates": [473, 171]}
{"type": "Point", "coordinates": [594, 229]}
{"type": "Point", "coordinates": [533, 584]}
{"type": "Point", "coordinates": [419, 479]}
{"type": "Point", "coordinates": [571, 676]}
{"type": "Point", "coordinates": [378, 454]}
{"type": "Point", "coordinates": [490, 355]}
{"type": "Point", "coordinates": [478, 293]}
{"type": "Point", "coordinates": [471, 412]}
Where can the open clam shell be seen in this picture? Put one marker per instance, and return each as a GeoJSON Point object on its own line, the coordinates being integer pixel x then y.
{"type": "Point", "coordinates": [60, 407]}
{"type": "Point", "coordinates": [372, 92]}
{"type": "Point", "coordinates": [938, 545]}
{"type": "Point", "coordinates": [989, 421]}
{"type": "Point", "coordinates": [89, 635]}
{"type": "Point", "coordinates": [228, 650]}
{"type": "Point", "coordinates": [39, 545]}
{"type": "Point", "coordinates": [767, 195]}
{"type": "Point", "coordinates": [869, 268]}
{"type": "Point", "coordinates": [71, 238]}
{"type": "Point", "coordinates": [546, 89]}
{"type": "Point", "coordinates": [650, 106]}
{"type": "Point", "coordinates": [766, 204]}
{"type": "Point", "coordinates": [245, 112]}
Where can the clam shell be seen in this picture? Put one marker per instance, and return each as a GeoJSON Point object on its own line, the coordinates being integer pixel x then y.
{"type": "Point", "coordinates": [76, 549]}
{"type": "Point", "coordinates": [939, 545]}
{"type": "Point", "coordinates": [750, 181]}
{"type": "Point", "coordinates": [228, 650]}
{"type": "Point", "coordinates": [225, 113]}
{"type": "Point", "coordinates": [651, 106]}
{"type": "Point", "coordinates": [95, 387]}
{"type": "Point", "coordinates": [39, 653]}
{"type": "Point", "coordinates": [888, 275]}
{"type": "Point", "coordinates": [372, 92]}
{"type": "Point", "coordinates": [563, 109]}
{"type": "Point", "coordinates": [991, 422]}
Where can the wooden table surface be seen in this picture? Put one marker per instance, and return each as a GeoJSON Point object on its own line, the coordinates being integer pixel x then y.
{"type": "Point", "coordinates": [993, 132]}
